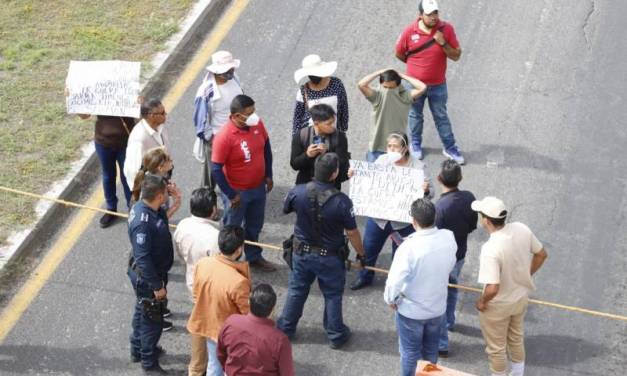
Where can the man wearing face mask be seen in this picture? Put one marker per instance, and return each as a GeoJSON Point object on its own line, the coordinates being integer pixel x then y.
{"type": "Point", "coordinates": [151, 259]}
{"type": "Point", "coordinates": [313, 141]}
{"type": "Point", "coordinates": [242, 167]}
{"type": "Point", "coordinates": [390, 106]}
{"type": "Point", "coordinates": [212, 108]}
{"type": "Point", "coordinates": [425, 46]}
{"type": "Point", "coordinates": [221, 288]}
{"type": "Point", "coordinates": [320, 88]}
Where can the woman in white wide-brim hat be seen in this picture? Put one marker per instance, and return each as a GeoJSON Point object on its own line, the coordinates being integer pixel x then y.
{"type": "Point", "coordinates": [320, 87]}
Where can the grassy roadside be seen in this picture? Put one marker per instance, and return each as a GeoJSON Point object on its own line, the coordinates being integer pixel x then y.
{"type": "Point", "coordinates": [38, 140]}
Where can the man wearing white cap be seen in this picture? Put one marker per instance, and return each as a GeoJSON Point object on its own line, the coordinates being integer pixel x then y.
{"type": "Point", "coordinates": [508, 260]}
{"type": "Point", "coordinates": [425, 46]}
{"type": "Point", "coordinates": [321, 88]}
{"type": "Point", "coordinates": [212, 108]}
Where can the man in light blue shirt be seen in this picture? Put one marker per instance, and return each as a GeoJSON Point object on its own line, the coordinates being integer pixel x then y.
{"type": "Point", "coordinates": [416, 287]}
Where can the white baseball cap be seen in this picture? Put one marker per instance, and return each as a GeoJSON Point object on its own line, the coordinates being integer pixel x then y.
{"type": "Point", "coordinates": [313, 65]}
{"type": "Point", "coordinates": [491, 207]}
{"type": "Point", "coordinates": [429, 6]}
{"type": "Point", "coordinates": [222, 61]}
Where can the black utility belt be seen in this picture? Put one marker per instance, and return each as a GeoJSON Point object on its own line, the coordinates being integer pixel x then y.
{"type": "Point", "coordinates": [306, 248]}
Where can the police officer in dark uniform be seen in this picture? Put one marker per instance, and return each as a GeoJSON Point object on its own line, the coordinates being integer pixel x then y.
{"type": "Point", "coordinates": [320, 250]}
{"type": "Point", "coordinates": [151, 259]}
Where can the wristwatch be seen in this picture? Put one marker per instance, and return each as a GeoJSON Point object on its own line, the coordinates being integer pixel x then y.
{"type": "Point", "coordinates": [443, 45]}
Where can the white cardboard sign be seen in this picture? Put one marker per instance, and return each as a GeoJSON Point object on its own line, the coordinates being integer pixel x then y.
{"type": "Point", "coordinates": [384, 191]}
{"type": "Point", "coordinates": [105, 87]}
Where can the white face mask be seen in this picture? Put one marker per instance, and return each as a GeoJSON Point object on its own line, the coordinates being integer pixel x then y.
{"type": "Point", "coordinates": [252, 120]}
{"type": "Point", "coordinates": [389, 158]}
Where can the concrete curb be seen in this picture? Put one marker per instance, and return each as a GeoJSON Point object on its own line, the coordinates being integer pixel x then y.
{"type": "Point", "coordinates": [181, 47]}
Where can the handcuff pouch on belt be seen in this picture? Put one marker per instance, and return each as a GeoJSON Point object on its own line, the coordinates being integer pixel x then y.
{"type": "Point", "coordinates": [152, 308]}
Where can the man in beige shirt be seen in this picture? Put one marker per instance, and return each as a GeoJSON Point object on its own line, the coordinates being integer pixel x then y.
{"type": "Point", "coordinates": [221, 288]}
{"type": "Point", "coordinates": [508, 260]}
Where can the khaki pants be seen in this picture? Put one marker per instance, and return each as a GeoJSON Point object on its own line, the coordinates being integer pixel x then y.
{"type": "Point", "coordinates": [502, 328]}
{"type": "Point", "coordinates": [198, 362]}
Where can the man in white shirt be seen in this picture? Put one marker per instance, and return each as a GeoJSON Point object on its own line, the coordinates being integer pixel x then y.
{"type": "Point", "coordinates": [196, 237]}
{"type": "Point", "coordinates": [417, 286]}
{"type": "Point", "coordinates": [147, 134]}
{"type": "Point", "coordinates": [212, 108]}
{"type": "Point", "coordinates": [508, 260]}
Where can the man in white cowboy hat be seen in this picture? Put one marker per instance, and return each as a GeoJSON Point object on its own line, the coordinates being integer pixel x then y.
{"type": "Point", "coordinates": [212, 108]}
{"type": "Point", "coordinates": [507, 263]}
{"type": "Point", "coordinates": [320, 88]}
{"type": "Point", "coordinates": [425, 46]}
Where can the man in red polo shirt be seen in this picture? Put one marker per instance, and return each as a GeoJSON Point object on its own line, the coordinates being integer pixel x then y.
{"type": "Point", "coordinates": [425, 46]}
{"type": "Point", "coordinates": [242, 168]}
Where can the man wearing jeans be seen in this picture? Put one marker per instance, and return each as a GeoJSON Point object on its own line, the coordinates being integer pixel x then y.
{"type": "Point", "coordinates": [416, 287]}
{"type": "Point", "coordinates": [508, 260]}
{"type": "Point", "coordinates": [425, 46]}
{"type": "Point", "coordinates": [453, 213]}
{"type": "Point", "coordinates": [323, 213]}
{"type": "Point", "coordinates": [110, 139]}
{"type": "Point", "coordinates": [242, 167]}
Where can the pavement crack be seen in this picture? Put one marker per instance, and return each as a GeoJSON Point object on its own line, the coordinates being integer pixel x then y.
{"type": "Point", "coordinates": [588, 24]}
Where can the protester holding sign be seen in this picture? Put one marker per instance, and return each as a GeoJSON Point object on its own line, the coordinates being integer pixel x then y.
{"type": "Point", "coordinates": [378, 230]}
{"type": "Point", "coordinates": [110, 138]}
{"type": "Point", "coordinates": [390, 106]}
{"type": "Point", "coordinates": [316, 140]}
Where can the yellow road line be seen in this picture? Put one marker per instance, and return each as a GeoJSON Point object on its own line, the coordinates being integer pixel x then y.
{"type": "Point", "coordinates": [25, 296]}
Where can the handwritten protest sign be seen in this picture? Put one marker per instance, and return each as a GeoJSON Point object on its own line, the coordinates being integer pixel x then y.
{"type": "Point", "coordinates": [384, 191]}
{"type": "Point", "coordinates": [103, 88]}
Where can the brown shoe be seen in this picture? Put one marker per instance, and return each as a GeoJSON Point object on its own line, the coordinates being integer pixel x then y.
{"type": "Point", "coordinates": [263, 265]}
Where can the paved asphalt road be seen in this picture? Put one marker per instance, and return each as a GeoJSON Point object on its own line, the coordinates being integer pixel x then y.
{"type": "Point", "coordinates": [541, 84]}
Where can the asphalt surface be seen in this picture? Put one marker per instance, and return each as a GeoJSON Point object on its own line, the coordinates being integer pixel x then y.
{"type": "Point", "coordinates": [539, 91]}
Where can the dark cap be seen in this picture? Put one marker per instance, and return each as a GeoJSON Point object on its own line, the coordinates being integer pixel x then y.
{"type": "Point", "coordinates": [325, 167]}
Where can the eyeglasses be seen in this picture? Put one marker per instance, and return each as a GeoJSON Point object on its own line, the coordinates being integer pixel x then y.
{"type": "Point", "coordinates": [163, 113]}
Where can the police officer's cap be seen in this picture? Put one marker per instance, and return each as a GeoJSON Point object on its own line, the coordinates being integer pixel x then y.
{"type": "Point", "coordinates": [325, 167]}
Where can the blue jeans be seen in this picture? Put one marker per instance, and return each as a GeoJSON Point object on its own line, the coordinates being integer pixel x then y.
{"type": "Point", "coordinates": [451, 300]}
{"type": "Point", "coordinates": [249, 215]}
{"type": "Point", "coordinates": [417, 339]}
{"type": "Point", "coordinates": [374, 239]}
{"type": "Point", "coordinates": [438, 96]}
{"type": "Point", "coordinates": [214, 368]}
{"type": "Point", "coordinates": [146, 332]}
{"type": "Point", "coordinates": [108, 158]}
{"type": "Point", "coordinates": [331, 275]}
{"type": "Point", "coordinates": [372, 156]}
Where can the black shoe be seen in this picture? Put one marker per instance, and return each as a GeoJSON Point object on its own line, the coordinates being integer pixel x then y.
{"type": "Point", "coordinates": [158, 350]}
{"type": "Point", "coordinates": [167, 326]}
{"type": "Point", "coordinates": [167, 312]}
{"type": "Point", "coordinates": [263, 265]}
{"type": "Point", "coordinates": [443, 354]}
{"type": "Point", "coordinates": [338, 344]}
{"type": "Point", "coordinates": [155, 370]}
{"type": "Point", "coordinates": [360, 284]}
{"type": "Point", "coordinates": [107, 220]}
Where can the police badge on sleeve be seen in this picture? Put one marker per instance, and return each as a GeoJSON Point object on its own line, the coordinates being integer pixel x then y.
{"type": "Point", "coordinates": [140, 239]}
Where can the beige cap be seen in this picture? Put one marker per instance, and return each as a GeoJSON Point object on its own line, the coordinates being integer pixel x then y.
{"type": "Point", "coordinates": [491, 207]}
{"type": "Point", "coordinates": [429, 6]}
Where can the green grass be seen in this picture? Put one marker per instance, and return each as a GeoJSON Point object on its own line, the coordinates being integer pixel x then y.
{"type": "Point", "coordinates": [38, 140]}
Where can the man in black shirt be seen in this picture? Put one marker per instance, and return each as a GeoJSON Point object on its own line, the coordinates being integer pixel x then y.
{"type": "Point", "coordinates": [453, 213]}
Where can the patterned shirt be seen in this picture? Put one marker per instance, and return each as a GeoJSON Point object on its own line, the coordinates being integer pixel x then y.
{"type": "Point", "coordinates": [334, 95]}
